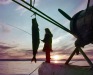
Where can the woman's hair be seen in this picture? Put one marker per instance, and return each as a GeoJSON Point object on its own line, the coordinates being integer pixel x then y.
{"type": "Point", "coordinates": [47, 30]}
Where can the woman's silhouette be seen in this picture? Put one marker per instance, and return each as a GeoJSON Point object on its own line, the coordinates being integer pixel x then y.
{"type": "Point", "coordinates": [47, 44]}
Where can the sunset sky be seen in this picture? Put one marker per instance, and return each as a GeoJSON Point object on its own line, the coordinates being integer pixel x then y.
{"type": "Point", "coordinates": [15, 43]}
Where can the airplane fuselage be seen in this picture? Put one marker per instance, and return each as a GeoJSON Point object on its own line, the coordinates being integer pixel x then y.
{"type": "Point", "coordinates": [82, 26]}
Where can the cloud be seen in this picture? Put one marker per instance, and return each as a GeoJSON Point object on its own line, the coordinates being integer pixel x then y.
{"type": "Point", "coordinates": [5, 46]}
{"type": "Point", "coordinates": [9, 51]}
{"type": "Point", "coordinates": [23, 10]}
{"type": "Point", "coordinates": [4, 2]}
{"type": "Point", "coordinates": [64, 42]}
{"type": "Point", "coordinates": [19, 54]}
{"type": "Point", "coordinates": [19, 8]}
{"type": "Point", "coordinates": [82, 6]}
{"type": "Point", "coordinates": [2, 43]}
{"type": "Point", "coordinates": [4, 28]}
{"type": "Point", "coordinates": [2, 47]}
{"type": "Point", "coordinates": [36, 2]}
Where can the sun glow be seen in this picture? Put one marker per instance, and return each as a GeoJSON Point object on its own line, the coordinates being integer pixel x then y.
{"type": "Point", "coordinates": [56, 57]}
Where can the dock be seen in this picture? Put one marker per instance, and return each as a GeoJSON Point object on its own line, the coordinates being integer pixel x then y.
{"type": "Point", "coordinates": [62, 69]}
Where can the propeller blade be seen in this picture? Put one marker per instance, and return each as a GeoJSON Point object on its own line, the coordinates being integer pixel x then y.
{"type": "Point", "coordinates": [64, 14]}
{"type": "Point", "coordinates": [88, 5]}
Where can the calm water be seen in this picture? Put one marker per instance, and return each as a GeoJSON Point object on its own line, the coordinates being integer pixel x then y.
{"type": "Point", "coordinates": [23, 67]}
{"type": "Point", "coordinates": [18, 67]}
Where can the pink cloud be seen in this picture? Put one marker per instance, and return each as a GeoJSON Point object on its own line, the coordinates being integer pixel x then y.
{"type": "Point", "coordinates": [4, 2]}
{"type": "Point", "coordinates": [4, 47]}
{"type": "Point", "coordinates": [4, 28]}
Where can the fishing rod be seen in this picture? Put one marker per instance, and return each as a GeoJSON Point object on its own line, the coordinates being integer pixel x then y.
{"type": "Point", "coordinates": [34, 12]}
{"type": "Point", "coordinates": [42, 13]}
{"type": "Point", "coordinates": [44, 17]}
{"type": "Point", "coordinates": [47, 16]}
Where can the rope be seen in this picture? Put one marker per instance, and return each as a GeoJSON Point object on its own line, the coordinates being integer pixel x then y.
{"type": "Point", "coordinates": [35, 69]}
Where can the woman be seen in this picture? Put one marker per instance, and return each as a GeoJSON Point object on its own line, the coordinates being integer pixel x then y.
{"type": "Point", "coordinates": [47, 44]}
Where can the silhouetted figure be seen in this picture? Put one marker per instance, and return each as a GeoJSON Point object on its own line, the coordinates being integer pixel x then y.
{"type": "Point", "coordinates": [47, 44]}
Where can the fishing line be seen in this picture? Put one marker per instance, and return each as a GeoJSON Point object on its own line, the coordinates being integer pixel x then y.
{"type": "Point", "coordinates": [39, 39]}
{"type": "Point", "coordinates": [19, 29]}
{"type": "Point", "coordinates": [35, 69]}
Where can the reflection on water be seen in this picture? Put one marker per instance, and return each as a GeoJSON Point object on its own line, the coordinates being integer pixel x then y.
{"type": "Point", "coordinates": [18, 67]}
{"type": "Point", "coordinates": [26, 67]}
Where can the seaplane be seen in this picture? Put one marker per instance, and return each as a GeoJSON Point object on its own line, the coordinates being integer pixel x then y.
{"type": "Point", "coordinates": [81, 27]}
